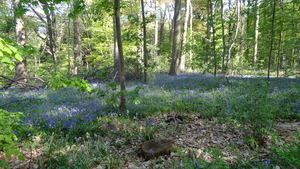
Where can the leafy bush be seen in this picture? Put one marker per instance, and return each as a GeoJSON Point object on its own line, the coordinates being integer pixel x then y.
{"type": "Point", "coordinates": [9, 122]}
{"type": "Point", "coordinates": [7, 53]}
{"type": "Point", "coordinates": [290, 153]}
{"type": "Point", "coordinates": [59, 81]}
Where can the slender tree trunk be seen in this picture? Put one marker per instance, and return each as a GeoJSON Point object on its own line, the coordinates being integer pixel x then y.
{"type": "Point", "coordinates": [279, 53]}
{"type": "Point", "coordinates": [191, 34]}
{"type": "Point", "coordinates": [161, 31]}
{"type": "Point", "coordinates": [208, 33]}
{"type": "Point", "coordinates": [116, 73]}
{"type": "Point", "coordinates": [50, 30]}
{"type": "Point", "coordinates": [171, 24]}
{"type": "Point", "coordinates": [213, 34]}
{"type": "Point", "coordinates": [272, 38]}
{"type": "Point", "coordinates": [122, 106]}
{"type": "Point", "coordinates": [156, 33]}
{"type": "Point", "coordinates": [236, 32]}
{"type": "Point", "coordinates": [174, 69]}
{"type": "Point", "coordinates": [184, 36]}
{"type": "Point", "coordinates": [223, 37]}
{"type": "Point", "coordinates": [77, 51]}
{"type": "Point", "coordinates": [247, 32]}
{"type": "Point", "coordinates": [20, 69]}
{"type": "Point", "coordinates": [256, 24]}
{"type": "Point", "coordinates": [144, 43]}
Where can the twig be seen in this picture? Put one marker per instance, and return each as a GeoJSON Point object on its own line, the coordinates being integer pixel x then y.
{"type": "Point", "coordinates": [16, 81]}
{"type": "Point", "coordinates": [227, 80]}
{"type": "Point", "coordinates": [115, 76]}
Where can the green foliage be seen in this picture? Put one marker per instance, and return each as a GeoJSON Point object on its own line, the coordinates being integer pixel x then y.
{"type": "Point", "coordinates": [290, 152]}
{"type": "Point", "coordinates": [9, 122]}
{"type": "Point", "coordinates": [8, 54]}
{"type": "Point", "coordinates": [217, 162]}
{"type": "Point", "coordinates": [59, 81]}
{"type": "Point", "coordinates": [112, 94]}
{"type": "Point", "coordinates": [149, 132]}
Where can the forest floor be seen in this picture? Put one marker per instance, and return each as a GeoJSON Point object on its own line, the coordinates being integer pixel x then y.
{"type": "Point", "coordinates": [191, 137]}
{"type": "Point", "coordinates": [212, 122]}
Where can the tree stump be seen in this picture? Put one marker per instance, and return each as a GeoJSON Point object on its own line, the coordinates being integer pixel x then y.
{"type": "Point", "coordinates": [156, 147]}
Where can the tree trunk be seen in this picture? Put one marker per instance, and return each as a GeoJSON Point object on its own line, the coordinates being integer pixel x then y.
{"type": "Point", "coordinates": [50, 18]}
{"type": "Point", "coordinates": [236, 31]}
{"type": "Point", "coordinates": [20, 69]}
{"type": "Point", "coordinates": [223, 38]}
{"type": "Point", "coordinates": [116, 73]}
{"type": "Point", "coordinates": [174, 69]}
{"type": "Point", "coordinates": [77, 52]}
{"type": "Point", "coordinates": [144, 43]}
{"type": "Point", "coordinates": [208, 33]}
{"type": "Point", "coordinates": [122, 106]}
{"type": "Point", "coordinates": [184, 36]}
{"type": "Point", "coordinates": [213, 34]}
{"type": "Point", "coordinates": [171, 24]}
{"type": "Point", "coordinates": [272, 38]}
{"type": "Point", "coordinates": [255, 46]}
{"type": "Point", "coordinates": [161, 31]}
{"type": "Point", "coordinates": [156, 33]}
{"type": "Point", "coordinates": [191, 34]}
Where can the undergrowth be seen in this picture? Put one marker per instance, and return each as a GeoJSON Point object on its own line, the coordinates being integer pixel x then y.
{"type": "Point", "coordinates": [60, 121]}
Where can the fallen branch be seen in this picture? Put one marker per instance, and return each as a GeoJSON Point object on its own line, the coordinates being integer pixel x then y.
{"type": "Point", "coordinates": [18, 82]}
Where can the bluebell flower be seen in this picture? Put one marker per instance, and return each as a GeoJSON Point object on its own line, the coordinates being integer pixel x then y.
{"type": "Point", "coordinates": [227, 104]}
{"type": "Point", "coordinates": [88, 118]}
{"type": "Point", "coordinates": [198, 165]}
{"type": "Point", "coordinates": [69, 124]}
{"type": "Point", "coordinates": [113, 115]}
{"type": "Point", "coordinates": [151, 151]}
{"type": "Point", "coordinates": [112, 127]}
{"type": "Point", "coordinates": [148, 121]}
{"type": "Point", "coordinates": [76, 139]}
{"type": "Point", "coordinates": [268, 161]}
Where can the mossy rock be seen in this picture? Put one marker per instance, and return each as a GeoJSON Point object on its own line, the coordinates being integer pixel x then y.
{"type": "Point", "coordinates": [156, 147]}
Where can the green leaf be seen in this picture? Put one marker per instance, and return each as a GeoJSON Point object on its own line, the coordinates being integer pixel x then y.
{"type": "Point", "coordinates": [1, 44]}
{"type": "Point", "coordinates": [4, 164]}
{"type": "Point", "coordinates": [7, 50]}
{"type": "Point", "coordinates": [12, 152]}
{"type": "Point", "coordinates": [13, 49]}
{"type": "Point", "coordinates": [7, 61]}
{"type": "Point", "coordinates": [11, 67]}
{"type": "Point", "coordinates": [18, 57]}
{"type": "Point", "coordinates": [21, 157]}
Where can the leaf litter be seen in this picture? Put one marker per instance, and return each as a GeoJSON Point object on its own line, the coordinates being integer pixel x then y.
{"type": "Point", "coordinates": [192, 134]}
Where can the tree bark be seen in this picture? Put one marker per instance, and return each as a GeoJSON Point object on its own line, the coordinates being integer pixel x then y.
{"type": "Point", "coordinates": [174, 69]}
{"type": "Point", "coordinates": [50, 19]}
{"type": "Point", "coordinates": [116, 72]}
{"type": "Point", "coordinates": [191, 34]}
{"type": "Point", "coordinates": [236, 32]}
{"type": "Point", "coordinates": [255, 45]}
{"type": "Point", "coordinates": [144, 43]}
{"type": "Point", "coordinates": [213, 34]}
{"type": "Point", "coordinates": [272, 38]}
{"type": "Point", "coordinates": [156, 33]}
{"type": "Point", "coordinates": [122, 106]}
{"type": "Point", "coordinates": [184, 36]}
{"type": "Point", "coordinates": [20, 69]}
{"type": "Point", "coordinates": [223, 38]}
{"type": "Point", "coordinates": [162, 30]}
{"type": "Point", "coordinates": [77, 52]}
